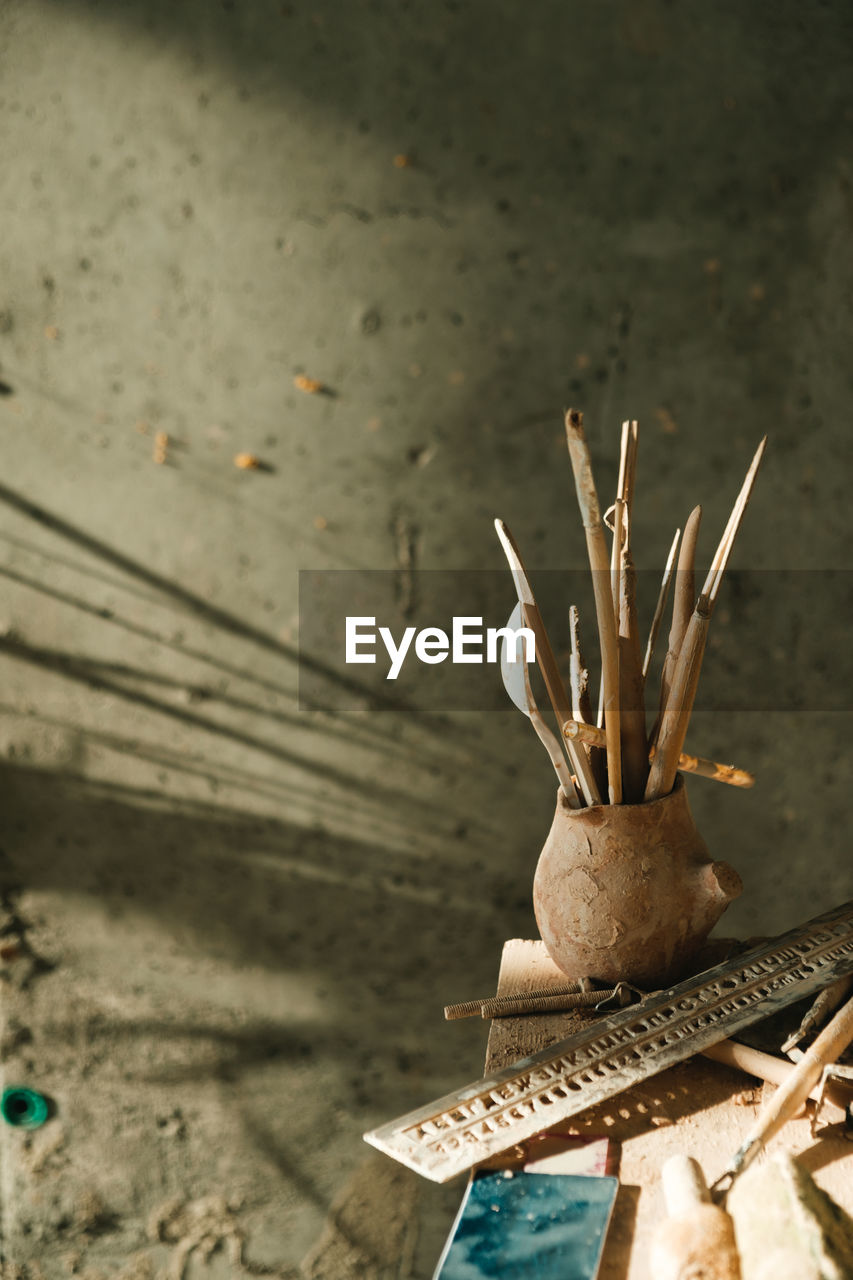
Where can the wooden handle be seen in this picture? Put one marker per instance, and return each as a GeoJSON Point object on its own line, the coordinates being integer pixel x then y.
{"type": "Point", "coordinates": [676, 715]}
{"type": "Point", "coordinates": [697, 1239]}
{"type": "Point", "coordinates": [632, 715]}
{"type": "Point", "coordinates": [788, 1099]}
{"type": "Point", "coordinates": [683, 602]}
{"type": "Point", "coordinates": [663, 595]}
{"type": "Point", "coordinates": [599, 563]}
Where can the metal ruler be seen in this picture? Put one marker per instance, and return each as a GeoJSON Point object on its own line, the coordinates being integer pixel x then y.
{"type": "Point", "coordinates": [459, 1131]}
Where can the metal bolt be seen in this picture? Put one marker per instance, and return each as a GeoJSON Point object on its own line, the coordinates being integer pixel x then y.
{"type": "Point", "coordinates": [471, 1008]}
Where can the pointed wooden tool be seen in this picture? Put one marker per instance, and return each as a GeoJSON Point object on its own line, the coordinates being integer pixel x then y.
{"type": "Point", "coordinates": [663, 595]}
{"type": "Point", "coordinates": [679, 705]}
{"type": "Point", "coordinates": [683, 604]}
{"type": "Point", "coordinates": [546, 660]}
{"type": "Point", "coordinates": [787, 1100]}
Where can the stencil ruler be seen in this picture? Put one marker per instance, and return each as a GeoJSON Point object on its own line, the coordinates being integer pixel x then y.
{"type": "Point", "coordinates": [487, 1117]}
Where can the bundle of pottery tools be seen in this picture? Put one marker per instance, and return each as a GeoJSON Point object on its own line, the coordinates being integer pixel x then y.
{"type": "Point", "coordinates": [631, 893]}
{"type": "Point", "coordinates": [613, 758]}
{"type": "Point", "coordinates": [625, 893]}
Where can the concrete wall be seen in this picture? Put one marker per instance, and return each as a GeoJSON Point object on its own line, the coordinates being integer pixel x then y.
{"type": "Point", "coordinates": [460, 217]}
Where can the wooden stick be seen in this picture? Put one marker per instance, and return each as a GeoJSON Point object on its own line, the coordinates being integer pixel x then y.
{"type": "Point", "coordinates": [684, 596]}
{"type": "Point", "coordinates": [620, 513]}
{"type": "Point", "coordinates": [616, 553]}
{"type": "Point", "coordinates": [727, 542]}
{"type": "Point", "coordinates": [581, 704]}
{"type": "Point", "coordinates": [628, 465]}
{"type": "Point", "coordinates": [710, 769]}
{"type": "Point", "coordinates": [683, 602]}
{"type": "Point", "coordinates": [824, 1003]}
{"type": "Point", "coordinates": [579, 677]}
{"type": "Point", "coordinates": [788, 1099]}
{"type": "Point", "coordinates": [593, 736]}
{"type": "Point", "coordinates": [679, 704]}
{"type": "Point", "coordinates": [613, 520]}
{"type": "Point", "coordinates": [621, 508]}
{"type": "Point", "coordinates": [663, 596]}
{"type": "Point", "coordinates": [600, 566]}
{"type": "Point", "coordinates": [588, 733]}
{"type": "Point", "coordinates": [767, 1067]}
{"type": "Point", "coordinates": [632, 711]}
{"type": "Point", "coordinates": [684, 599]}
{"type": "Point", "coordinates": [632, 722]}
{"type": "Point", "coordinates": [676, 713]}
{"type": "Point", "coordinates": [545, 658]}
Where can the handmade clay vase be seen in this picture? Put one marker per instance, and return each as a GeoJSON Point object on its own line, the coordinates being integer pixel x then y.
{"type": "Point", "coordinates": [629, 892]}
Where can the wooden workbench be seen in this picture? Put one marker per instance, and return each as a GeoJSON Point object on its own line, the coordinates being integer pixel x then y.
{"type": "Point", "coordinates": [699, 1107]}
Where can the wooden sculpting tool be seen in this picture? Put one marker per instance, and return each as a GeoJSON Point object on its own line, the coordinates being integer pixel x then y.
{"type": "Point", "coordinates": [632, 714]}
{"type": "Point", "coordinates": [622, 509]}
{"type": "Point", "coordinates": [822, 1006]}
{"type": "Point", "coordinates": [679, 704]}
{"type": "Point", "coordinates": [593, 736]}
{"type": "Point", "coordinates": [683, 603]}
{"type": "Point", "coordinates": [697, 1239]}
{"type": "Point", "coordinates": [663, 595]}
{"type": "Point", "coordinates": [545, 658]}
{"type": "Point", "coordinates": [599, 562]}
{"type": "Point", "coordinates": [516, 681]}
{"type": "Point", "coordinates": [772, 1069]}
{"type": "Point", "coordinates": [711, 769]}
{"type": "Point", "coordinates": [788, 1099]}
{"type": "Point", "coordinates": [632, 710]}
{"type": "Point", "coordinates": [581, 705]}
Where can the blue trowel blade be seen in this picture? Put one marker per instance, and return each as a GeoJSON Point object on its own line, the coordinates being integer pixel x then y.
{"type": "Point", "coordinates": [529, 1226]}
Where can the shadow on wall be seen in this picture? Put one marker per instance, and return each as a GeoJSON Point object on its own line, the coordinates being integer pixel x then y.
{"type": "Point", "coordinates": [236, 885]}
{"type": "Point", "coordinates": [290, 737]}
{"type": "Point", "coordinates": [461, 76]}
{"type": "Point", "coordinates": [371, 944]}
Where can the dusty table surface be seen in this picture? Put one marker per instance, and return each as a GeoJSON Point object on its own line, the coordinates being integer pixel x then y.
{"type": "Point", "coordinates": [699, 1107]}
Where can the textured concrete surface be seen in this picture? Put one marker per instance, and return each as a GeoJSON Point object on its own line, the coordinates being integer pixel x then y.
{"type": "Point", "coordinates": [244, 918]}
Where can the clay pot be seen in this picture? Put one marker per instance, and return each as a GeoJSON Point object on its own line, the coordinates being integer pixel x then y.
{"type": "Point", "coordinates": [629, 891]}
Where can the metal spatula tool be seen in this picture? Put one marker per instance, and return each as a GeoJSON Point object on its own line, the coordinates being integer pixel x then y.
{"type": "Point", "coordinates": [516, 680]}
{"type": "Point", "coordinates": [587, 784]}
